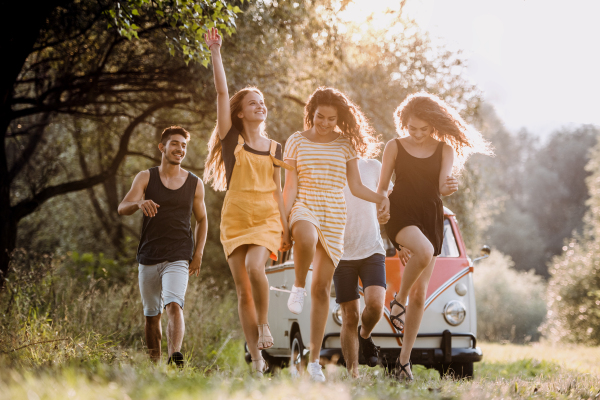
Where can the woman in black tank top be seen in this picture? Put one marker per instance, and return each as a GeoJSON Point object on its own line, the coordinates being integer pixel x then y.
{"type": "Point", "coordinates": [434, 141]}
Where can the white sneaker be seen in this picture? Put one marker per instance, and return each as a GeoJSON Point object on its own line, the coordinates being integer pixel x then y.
{"type": "Point", "coordinates": [296, 300]}
{"type": "Point", "coordinates": [315, 371]}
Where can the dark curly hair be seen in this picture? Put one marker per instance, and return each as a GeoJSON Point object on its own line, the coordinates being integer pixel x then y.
{"type": "Point", "coordinates": [351, 122]}
{"type": "Point", "coordinates": [448, 125]}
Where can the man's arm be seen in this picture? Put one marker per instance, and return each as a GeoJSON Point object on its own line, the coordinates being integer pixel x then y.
{"type": "Point", "coordinates": [201, 230]}
{"type": "Point", "coordinates": [134, 199]}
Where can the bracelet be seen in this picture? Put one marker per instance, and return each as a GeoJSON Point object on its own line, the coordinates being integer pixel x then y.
{"type": "Point", "coordinates": [213, 45]}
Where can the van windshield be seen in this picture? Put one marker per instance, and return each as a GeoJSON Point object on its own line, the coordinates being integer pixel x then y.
{"type": "Point", "coordinates": [449, 247]}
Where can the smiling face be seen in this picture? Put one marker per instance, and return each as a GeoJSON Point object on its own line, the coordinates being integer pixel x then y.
{"type": "Point", "coordinates": [419, 129]}
{"type": "Point", "coordinates": [174, 150]}
{"type": "Point", "coordinates": [253, 108]}
{"type": "Point", "coordinates": [325, 120]}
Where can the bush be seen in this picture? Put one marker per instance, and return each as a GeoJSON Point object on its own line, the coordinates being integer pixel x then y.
{"type": "Point", "coordinates": [574, 295]}
{"type": "Point", "coordinates": [59, 310]}
{"type": "Point", "coordinates": [510, 303]}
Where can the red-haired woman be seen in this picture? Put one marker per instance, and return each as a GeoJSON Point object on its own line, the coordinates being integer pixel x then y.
{"type": "Point", "coordinates": [253, 227]}
{"type": "Point", "coordinates": [324, 157]}
{"type": "Point", "coordinates": [434, 141]}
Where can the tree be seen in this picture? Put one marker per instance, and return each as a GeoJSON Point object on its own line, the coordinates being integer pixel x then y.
{"type": "Point", "coordinates": [64, 62]}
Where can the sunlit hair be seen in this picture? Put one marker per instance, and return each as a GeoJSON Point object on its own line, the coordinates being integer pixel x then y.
{"type": "Point", "coordinates": [351, 122]}
{"type": "Point", "coordinates": [214, 168]}
{"type": "Point", "coordinates": [448, 126]}
{"type": "Point", "coordinates": [173, 130]}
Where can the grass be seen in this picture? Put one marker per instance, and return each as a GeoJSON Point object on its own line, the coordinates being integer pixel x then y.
{"type": "Point", "coordinates": [507, 372]}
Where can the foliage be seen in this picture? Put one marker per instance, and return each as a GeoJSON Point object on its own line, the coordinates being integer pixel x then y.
{"type": "Point", "coordinates": [188, 21]}
{"type": "Point", "coordinates": [510, 303]}
{"type": "Point", "coordinates": [574, 287]}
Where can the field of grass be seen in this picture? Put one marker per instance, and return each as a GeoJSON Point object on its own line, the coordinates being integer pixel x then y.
{"type": "Point", "coordinates": [507, 372]}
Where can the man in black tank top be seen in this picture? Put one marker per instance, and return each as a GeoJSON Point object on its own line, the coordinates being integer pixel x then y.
{"type": "Point", "coordinates": [167, 255]}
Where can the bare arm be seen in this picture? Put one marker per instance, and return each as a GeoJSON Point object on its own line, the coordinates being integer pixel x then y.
{"type": "Point", "coordinates": [448, 183]}
{"type": "Point", "coordinates": [214, 41]}
{"type": "Point", "coordinates": [361, 191]}
{"type": "Point", "coordinates": [387, 167]}
{"type": "Point", "coordinates": [134, 199]}
{"type": "Point", "coordinates": [201, 230]}
{"type": "Point", "coordinates": [290, 190]}
{"type": "Point", "coordinates": [286, 243]}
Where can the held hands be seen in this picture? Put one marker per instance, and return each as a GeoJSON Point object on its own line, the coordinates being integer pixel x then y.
{"type": "Point", "coordinates": [383, 208]}
{"type": "Point", "coordinates": [451, 185]}
{"type": "Point", "coordinates": [404, 255]}
{"type": "Point", "coordinates": [149, 207]}
{"type": "Point", "coordinates": [286, 241]}
{"type": "Point", "coordinates": [195, 264]}
{"type": "Point", "coordinates": [212, 37]}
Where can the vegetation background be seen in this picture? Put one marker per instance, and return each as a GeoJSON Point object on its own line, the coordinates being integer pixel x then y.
{"type": "Point", "coordinates": [93, 84]}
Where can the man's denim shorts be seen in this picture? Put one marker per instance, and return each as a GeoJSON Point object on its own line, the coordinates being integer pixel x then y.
{"type": "Point", "coordinates": [162, 284]}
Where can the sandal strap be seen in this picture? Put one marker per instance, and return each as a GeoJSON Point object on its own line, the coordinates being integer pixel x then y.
{"type": "Point", "coordinates": [396, 317]}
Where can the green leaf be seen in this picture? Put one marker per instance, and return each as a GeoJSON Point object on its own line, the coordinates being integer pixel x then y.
{"type": "Point", "coordinates": [158, 12]}
{"type": "Point", "coordinates": [135, 12]}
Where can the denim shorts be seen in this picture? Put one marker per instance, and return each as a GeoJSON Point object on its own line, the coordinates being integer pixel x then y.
{"type": "Point", "coordinates": [162, 284]}
{"type": "Point", "coordinates": [370, 270]}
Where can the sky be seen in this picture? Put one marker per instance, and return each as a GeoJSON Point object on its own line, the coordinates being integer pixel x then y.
{"type": "Point", "coordinates": [536, 61]}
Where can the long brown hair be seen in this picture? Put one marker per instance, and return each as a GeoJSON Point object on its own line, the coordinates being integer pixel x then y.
{"type": "Point", "coordinates": [351, 122]}
{"type": "Point", "coordinates": [214, 168]}
{"type": "Point", "coordinates": [449, 127]}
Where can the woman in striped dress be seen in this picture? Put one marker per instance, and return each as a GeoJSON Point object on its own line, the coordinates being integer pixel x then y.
{"type": "Point", "coordinates": [324, 157]}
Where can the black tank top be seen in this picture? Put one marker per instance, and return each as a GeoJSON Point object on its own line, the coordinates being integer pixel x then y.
{"type": "Point", "coordinates": [168, 235]}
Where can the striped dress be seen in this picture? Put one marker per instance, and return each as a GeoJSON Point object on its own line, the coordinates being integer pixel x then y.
{"type": "Point", "coordinates": [321, 169]}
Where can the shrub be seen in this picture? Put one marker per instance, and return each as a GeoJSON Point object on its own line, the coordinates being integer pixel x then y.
{"type": "Point", "coordinates": [510, 303]}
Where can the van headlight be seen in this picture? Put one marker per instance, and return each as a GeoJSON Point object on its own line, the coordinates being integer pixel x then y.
{"type": "Point", "coordinates": [454, 312]}
{"type": "Point", "coordinates": [337, 314]}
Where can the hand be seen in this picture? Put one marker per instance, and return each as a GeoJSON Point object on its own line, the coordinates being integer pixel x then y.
{"type": "Point", "coordinates": [195, 264]}
{"type": "Point", "coordinates": [384, 207]}
{"type": "Point", "coordinates": [149, 207]}
{"type": "Point", "coordinates": [383, 218]}
{"type": "Point", "coordinates": [452, 184]}
{"type": "Point", "coordinates": [286, 241]}
{"type": "Point", "coordinates": [404, 255]}
{"type": "Point", "coordinates": [212, 37]}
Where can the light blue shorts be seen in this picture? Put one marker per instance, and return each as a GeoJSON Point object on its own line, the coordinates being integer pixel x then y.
{"type": "Point", "coordinates": [162, 284]}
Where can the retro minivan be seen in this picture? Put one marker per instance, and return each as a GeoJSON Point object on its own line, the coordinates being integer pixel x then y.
{"type": "Point", "coordinates": [447, 338]}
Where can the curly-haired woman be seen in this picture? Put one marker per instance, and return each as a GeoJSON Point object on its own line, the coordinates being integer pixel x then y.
{"type": "Point", "coordinates": [324, 157]}
{"type": "Point", "coordinates": [242, 160]}
{"type": "Point", "coordinates": [434, 141]}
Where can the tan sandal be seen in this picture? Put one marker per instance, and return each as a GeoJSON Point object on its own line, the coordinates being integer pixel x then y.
{"type": "Point", "coordinates": [259, 367]}
{"type": "Point", "coordinates": [265, 340]}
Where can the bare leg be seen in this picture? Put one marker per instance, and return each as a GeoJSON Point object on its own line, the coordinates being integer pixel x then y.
{"type": "Point", "coordinates": [246, 308]}
{"type": "Point", "coordinates": [374, 299]}
{"type": "Point", "coordinates": [422, 254]}
{"type": "Point", "coordinates": [175, 327]}
{"type": "Point", "coordinates": [305, 241]}
{"type": "Point", "coordinates": [256, 259]}
{"type": "Point", "coordinates": [414, 313]}
{"type": "Point", "coordinates": [348, 336]}
{"type": "Point", "coordinates": [322, 275]}
{"type": "Point", "coordinates": [153, 332]}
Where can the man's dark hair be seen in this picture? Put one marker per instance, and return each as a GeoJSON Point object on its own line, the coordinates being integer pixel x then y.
{"type": "Point", "coordinates": [173, 130]}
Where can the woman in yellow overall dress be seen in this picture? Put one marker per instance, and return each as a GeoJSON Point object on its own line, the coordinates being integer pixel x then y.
{"type": "Point", "coordinates": [324, 157]}
{"type": "Point", "coordinates": [242, 160]}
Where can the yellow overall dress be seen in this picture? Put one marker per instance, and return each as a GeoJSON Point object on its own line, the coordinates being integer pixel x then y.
{"type": "Point", "coordinates": [250, 214]}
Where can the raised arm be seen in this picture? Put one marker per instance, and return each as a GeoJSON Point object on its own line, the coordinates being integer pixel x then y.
{"type": "Point", "coordinates": [448, 183]}
{"type": "Point", "coordinates": [201, 230]}
{"type": "Point", "coordinates": [134, 199]}
{"type": "Point", "coordinates": [214, 41]}
{"type": "Point", "coordinates": [387, 167]}
{"type": "Point", "coordinates": [361, 191]}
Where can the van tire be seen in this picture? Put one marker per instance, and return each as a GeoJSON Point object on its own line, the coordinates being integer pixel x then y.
{"type": "Point", "coordinates": [456, 370]}
{"type": "Point", "coordinates": [297, 358]}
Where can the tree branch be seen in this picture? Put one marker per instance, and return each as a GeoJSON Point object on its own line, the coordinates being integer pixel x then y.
{"type": "Point", "coordinates": [26, 207]}
{"type": "Point", "coordinates": [295, 99]}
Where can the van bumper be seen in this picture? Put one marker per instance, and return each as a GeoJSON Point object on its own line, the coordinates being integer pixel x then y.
{"type": "Point", "coordinates": [445, 354]}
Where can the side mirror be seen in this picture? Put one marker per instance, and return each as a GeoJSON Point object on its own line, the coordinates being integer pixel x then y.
{"type": "Point", "coordinates": [484, 253]}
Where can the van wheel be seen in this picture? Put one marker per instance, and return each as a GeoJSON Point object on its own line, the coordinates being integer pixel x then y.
{"type": "Point", "coordinates": [297, 358]}
{"type": "Point", "coordinates": [456, 370]}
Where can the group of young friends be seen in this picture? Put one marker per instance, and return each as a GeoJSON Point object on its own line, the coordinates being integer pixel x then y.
{"type": "Point", "coordinates": [330, 210]}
